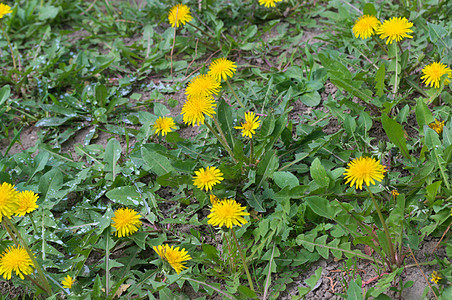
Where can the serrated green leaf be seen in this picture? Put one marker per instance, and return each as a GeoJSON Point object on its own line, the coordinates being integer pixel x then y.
{"type": "Point", "coordinates": [395, 133]}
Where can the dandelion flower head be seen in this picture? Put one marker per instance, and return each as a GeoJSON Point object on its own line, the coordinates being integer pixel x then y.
{"type": "Point", "coordinates": [179, 14]}
{"type": "Point", "coordinates": [126, 221]}
{"type": "Point", "coordinates": [15, 259]}
{"type": "Point", "coordinates": [214, 199]}
{"type": "Point", "coordinates": [8, 200]}
{"type": "Point", "coordinates": [195, 108]}
{"type": "Point", "coordinates": [434, 72]}
{"type": "Point", "coordinates": [4, 9]}
{"type": "Point", "coordinates": [164, 125]}
{"type": "Point", "coordinates": [175, 257]}
{"type": "Point", "coordinates": [67, 282]}
{"type": "Point", "coordinates": [437, 126]}
{"type": "Point", "coordinates": [269, 3]}
{"type": "Point", "coordinates": [365, 26]}
{"type": "Point", "coordinates": [27, 203]}
{"type": "Point", "coordinates": [227, 212]}
{"type": "Point", "coordinates": [206, 179]}
{"type": "Point", "coordinates": [395, 29]}
{"type": "Point", "coordinates": [394, 193]}
{"type": "Point", "coordinates": [251, 124]}
{"type": "Point", "coordinates": [364, 170]}
{"type": "Point", "coordinates": [221, 68]}
{"type": "Point", "coordinates": [202, 85]}
{"type": "Point", "coordinates": [435, 277]}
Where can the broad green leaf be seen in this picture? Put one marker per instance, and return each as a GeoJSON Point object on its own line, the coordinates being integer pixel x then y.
{"type": "Point", "coordinates": [225, 119]}
{"type": "Point", "coordinates": [255, 201]}
{"type": "Point", "coordinates": [318, 173]}
{"type": "Point", "coordinates": [112, 154]}
{"type": "Point", "coordinates": [125, 195]}
{"type": "Point", "coordinates": [4, 94]}
{"type": "Point", "coordinates": [354, 292]}
{"type": "Point", "coordinates": [395, 133]}
{"type": "Point", "coordinates": [50, 184]}
{"type": "Point", "coordinates": [311, 98]}
{"type": "Point", "coordinates": [423, 114]}
{"type": "Point", "coordinates": [267, 166]}
{"type": "Point", "coordinates": [158, 163]}
{"type": "Point", "coordinates": [369, 9]}
{"type": "Point", "coordinates": [160, 110]}
{"type": "Point", "coordinates": [321, 206]}
{"type": "Point", "coordinates": [363, 94]}
{"type": "Point", "coordinates": [283, 179]}
{"type": "Point", "coordinates": [431, 138]}
{"type": "Point", "coordinates": [380, 80]}
{"type": "Point", "coordinates": [101, 94]}
{"type": "Point", "coordinates": [48, 12]}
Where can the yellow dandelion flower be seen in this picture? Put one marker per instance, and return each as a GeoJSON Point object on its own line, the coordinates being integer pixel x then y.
{"type": "Point", "coordinates": [214, 199]}
{"type": "Point", "coordinates": [221, 68]}
{"type": "Point", "coordinates": [195, 108]}
{"type": "Point", "coordinates": [364, 170]}
{"type": "Point", "coordinates": [126, 221]}
{"type": "Point", "coordinates": [175, 257]}
{"type": "Point", "coordinates": [8, 200]}
{"type": "Point", "coordinates": [365, 26]}
{"type": "Point", "coordinates": [179, 14]}
{"type": "Point", "coordinates": [206, 179]}
{"type": "Point", "coordinates": [15, 259]}
{"type": "Point", "coordinates": [27, 203]}
{"type": "Point", "coordinates": [437, 126]}
{"type": "Point", "coordinates": [436, 277]}
{"type": "Point", "coordinates": [251, 124]}
{"type": "Point", "coordinates": [394, 193]}
{"type": "Point", "coordinates": [434, 72]}
{"type": "Point", "coordinates": [4, 9]}
{"type": "Point", "coordinates": [202, 86]}
{"type": "Point", "coordinates": [164, 125]}
{"type": "Point", "coordinates": [269, 3]}
{"type": "Point", "coordinates": [227, 212]}
{"type": "Point", "coordinates": [395, 29]}
{"type": "Point", "coordinates": [67, 282]}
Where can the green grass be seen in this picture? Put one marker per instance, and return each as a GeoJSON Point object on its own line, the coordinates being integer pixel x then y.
{"type": "Point", "coordinates": [92, 77]}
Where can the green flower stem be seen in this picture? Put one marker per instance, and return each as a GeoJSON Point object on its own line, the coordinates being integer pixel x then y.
{"type": "Point", "coordinates": [221, 140]}
{"type": "Point", "coordinates": [9, 44]}
{"type": "Point", "coordinates": [172, 48]}
{"type": "Point", "coordinates": [250, 281]}
{"type": "Point", "coordinates": [231, 260]}
{"type": "Point", "coordinates": [385, 227]}
{"type": "Point", "coordinates": [235, 95]}
{"type": "Point", "coordinates": [33, 223]}
{"type": "Point", "coordinates": [251, 151]}
{"type": "Point", "coordinates": [396, 87]}
{"type": "Point", "coordinates": [379, 44]}
{"type": "Point", "coordinates": [44, 282]}
{"type": "Point", "coordinates": [107, 261]}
